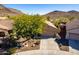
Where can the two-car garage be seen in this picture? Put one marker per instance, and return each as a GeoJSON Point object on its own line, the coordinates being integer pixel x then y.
{"type": "Point", "coordinates": [73, 36]}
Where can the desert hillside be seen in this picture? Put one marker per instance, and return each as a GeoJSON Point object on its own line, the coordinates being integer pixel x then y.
{"type": "Point", "coordinates": [4, 11]}
{"type": "Point", "coordinates": [69, 14]}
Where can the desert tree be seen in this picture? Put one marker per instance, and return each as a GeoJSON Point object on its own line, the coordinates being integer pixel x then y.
{"type": "Point", "coordinates": [28, 25]}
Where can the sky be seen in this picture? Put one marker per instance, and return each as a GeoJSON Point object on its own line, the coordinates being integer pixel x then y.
{"type": "Point", "coordinates": [43, 8]}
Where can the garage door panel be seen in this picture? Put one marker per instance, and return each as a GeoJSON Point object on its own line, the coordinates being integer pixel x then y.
{"type": "Point", "coordinates": [74, 36]}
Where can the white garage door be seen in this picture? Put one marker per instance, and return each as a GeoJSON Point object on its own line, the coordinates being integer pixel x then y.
{"type": "Point", "coordinates": [74, 36]}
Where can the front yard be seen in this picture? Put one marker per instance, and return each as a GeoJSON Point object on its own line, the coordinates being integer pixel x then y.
{"type": "Point", "coordinates": [32, 44]}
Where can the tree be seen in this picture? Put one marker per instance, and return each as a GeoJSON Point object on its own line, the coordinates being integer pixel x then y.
{"type": "Point", "coordinates": [28, 25]}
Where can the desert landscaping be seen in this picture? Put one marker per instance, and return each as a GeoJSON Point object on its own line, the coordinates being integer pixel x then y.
{"type": "Point", "coordinates": [54, 33]}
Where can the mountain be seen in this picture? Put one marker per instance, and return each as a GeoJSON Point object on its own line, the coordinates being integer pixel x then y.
{"type": "Point", "coordinates": [72, 11]}
{"type": "Point", "coordinates": [4, 11]}
{"type": "Point", "coordinates": [55, 14]}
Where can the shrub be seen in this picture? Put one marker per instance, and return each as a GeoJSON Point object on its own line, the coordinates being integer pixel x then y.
{"type": "Point", "coordinates": [11, 50]}
{"type": "Point", "coordinates": [28, 25]}
{"type": "Point", "coordinates": [57, 21]}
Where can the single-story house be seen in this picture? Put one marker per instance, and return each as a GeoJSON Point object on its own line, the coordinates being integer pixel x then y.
{"type": "Point", "coordinates": [73, 29]}
{"type": "Point", "coordinates": [5, 26]}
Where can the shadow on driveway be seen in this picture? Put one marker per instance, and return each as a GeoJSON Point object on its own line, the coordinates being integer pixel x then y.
{"type": "Point", "coordinates": [74, 44]}
{"type": "Point", "coordinates": [63, 44]}
{"type": "Point", "coordinates": [68, 43]}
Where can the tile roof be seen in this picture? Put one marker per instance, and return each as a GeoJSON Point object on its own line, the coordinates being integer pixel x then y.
{"type": "Point", "coordinates": [6, 24]}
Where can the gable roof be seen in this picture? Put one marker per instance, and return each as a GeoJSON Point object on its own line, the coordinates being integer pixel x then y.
{"type": "Point", "coordinates": [3, 27]}
{"type": "Point", "coordinates": [50, 24]}
{"type": "Point", "coordinates": [6, 24]}
{"type": "Point", "coordinates": [51, 27]}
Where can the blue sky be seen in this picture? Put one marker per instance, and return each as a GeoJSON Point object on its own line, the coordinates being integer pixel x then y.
{"type": "Point", "coordinates": [43, 8]}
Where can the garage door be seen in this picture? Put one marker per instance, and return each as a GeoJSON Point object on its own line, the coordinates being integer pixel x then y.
{"type": "Point", "coordinates": [74, 36]}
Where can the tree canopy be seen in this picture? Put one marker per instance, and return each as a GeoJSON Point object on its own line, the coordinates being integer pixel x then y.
{"type": "Point", "coordinates": [28, 25]}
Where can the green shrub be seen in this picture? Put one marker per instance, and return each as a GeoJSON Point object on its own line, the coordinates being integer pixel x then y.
{"type": "Point", "coordinates": [57, 21]}
{"type": "Point", "coordinates": [28, 25]}
{"type": "Point", "coordinates": [11, 50]}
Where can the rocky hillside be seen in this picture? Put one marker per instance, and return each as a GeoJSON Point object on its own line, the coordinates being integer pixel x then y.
{"type": "Point", "coordinates": [69, 14]}
{"type": "Point", "coordinates": [4, 11]}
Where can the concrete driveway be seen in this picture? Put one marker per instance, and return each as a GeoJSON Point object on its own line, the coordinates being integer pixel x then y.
{"type": "Point", "coordinates": [47, 47]}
